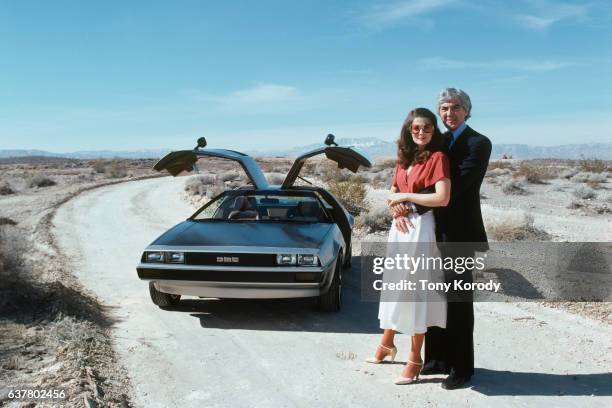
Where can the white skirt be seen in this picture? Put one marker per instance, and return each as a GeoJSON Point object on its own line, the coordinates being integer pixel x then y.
{"type": "Point", "coordinates": [407, 316]}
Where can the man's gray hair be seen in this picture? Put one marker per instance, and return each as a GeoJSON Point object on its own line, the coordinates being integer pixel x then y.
{"type": "Point", "coordinates": [449, 94]}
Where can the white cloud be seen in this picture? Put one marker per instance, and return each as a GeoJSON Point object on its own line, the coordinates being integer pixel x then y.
{"type": "Point", "coordinates": [508, 64]}
{"type": "Point", "coordinates": [384, 15]}
{"type": "Point", "coordinates": [544, 13]}
{"type": "Point", "coordinates": [261, 93]}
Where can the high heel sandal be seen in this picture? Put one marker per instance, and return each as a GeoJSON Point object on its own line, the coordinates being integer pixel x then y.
{"type": "Point", "coordinates": [392, 352]}
{"type": "Point", "coordinates": [409, 380]}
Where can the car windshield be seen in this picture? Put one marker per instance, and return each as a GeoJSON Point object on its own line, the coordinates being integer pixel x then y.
{"type": "Point", "coordinates": [265, 208]}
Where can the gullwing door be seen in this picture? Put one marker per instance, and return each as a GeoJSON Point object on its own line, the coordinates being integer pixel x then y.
{"type": "Point", "coordinates": [184, 161]}
{"type": "Point", "coordinates": [346, 158]}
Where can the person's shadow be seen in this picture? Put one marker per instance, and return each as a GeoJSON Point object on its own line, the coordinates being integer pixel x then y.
{"type": "Point", "coordinates": [493, 382]}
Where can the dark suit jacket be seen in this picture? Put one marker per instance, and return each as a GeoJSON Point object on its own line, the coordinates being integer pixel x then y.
{"type": "Point", "coordinates": [461, 220]}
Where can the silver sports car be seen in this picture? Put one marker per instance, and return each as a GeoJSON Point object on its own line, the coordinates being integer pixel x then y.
{"type": "Point", "coordinates": [257, 241]}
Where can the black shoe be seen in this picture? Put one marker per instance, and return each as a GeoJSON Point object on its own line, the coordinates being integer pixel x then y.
{"type": "Point", "coordinates": [434, 367]}
{"type": "Point", "coordinates": [454, 381]}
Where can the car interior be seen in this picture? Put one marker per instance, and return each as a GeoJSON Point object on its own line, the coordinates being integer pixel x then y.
{"type": "Point", "coordinates": [282, 208]}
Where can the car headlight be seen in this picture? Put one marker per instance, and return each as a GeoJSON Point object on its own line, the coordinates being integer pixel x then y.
{"type": "Point", "coordinates": [286, 259]}
{"type": "Point", "coordinates": [154, 257]}
{"type": "Point", "coordinates": [307, 260]}
{"type": "Point", "coordinates": [175, 257]}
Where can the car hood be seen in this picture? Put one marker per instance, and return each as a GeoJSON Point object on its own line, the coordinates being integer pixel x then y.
{"type": "Point", "coordinates": [256, 234]}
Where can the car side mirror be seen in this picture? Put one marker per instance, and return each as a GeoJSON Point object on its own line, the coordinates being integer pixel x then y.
{"type": "Point", "coordinates": [201, 143]}
{"type": "Point", "coordinates": [329, 140]}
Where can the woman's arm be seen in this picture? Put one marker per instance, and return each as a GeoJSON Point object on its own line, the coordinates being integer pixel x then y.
{"type": "Point", "coordinates": [438, 199]}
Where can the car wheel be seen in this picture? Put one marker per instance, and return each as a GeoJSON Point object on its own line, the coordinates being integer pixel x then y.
{"type": "Point", "coordinates": [331, 301]}
{"type": "Point", "coordinates": [162, 299]}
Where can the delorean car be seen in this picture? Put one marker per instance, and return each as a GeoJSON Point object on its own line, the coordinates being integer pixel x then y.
{"type": "Point", "coordinates": [256, 241]}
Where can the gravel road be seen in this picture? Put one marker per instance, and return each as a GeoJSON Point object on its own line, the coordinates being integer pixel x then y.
{"type": "Point", "coordinates": [218, 353]}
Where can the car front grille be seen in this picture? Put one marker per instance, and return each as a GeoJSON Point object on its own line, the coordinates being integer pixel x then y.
{"type": "Point", "coordinates": [229, 259]}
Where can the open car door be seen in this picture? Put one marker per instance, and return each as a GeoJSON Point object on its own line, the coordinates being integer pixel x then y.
{"type": "Point", "coordinates": [346, 157]}
{"type": "Point", "coordinates": [184, 161]}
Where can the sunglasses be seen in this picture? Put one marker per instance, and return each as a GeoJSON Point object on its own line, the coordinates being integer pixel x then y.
{"type": "Point", "coordinates": [425, 129]}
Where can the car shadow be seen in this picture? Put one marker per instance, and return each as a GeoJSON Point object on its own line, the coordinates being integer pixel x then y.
{"type": "Point", "coordinates": [497, 383]}
{"type": "Point", "coordinates": [356, 315]}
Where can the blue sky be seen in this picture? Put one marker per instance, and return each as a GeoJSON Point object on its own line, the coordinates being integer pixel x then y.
{"type": "Point", "coordinates": [121, 75]}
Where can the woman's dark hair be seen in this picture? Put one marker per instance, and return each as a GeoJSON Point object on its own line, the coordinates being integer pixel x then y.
{"type": "Point", "coordinates": [407, 150]}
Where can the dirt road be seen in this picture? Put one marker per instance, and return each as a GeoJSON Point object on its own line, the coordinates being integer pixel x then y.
{"type": "Point", "coordinates": [285, 353]}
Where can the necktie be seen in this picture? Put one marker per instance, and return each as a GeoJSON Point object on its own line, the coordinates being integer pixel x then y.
{"type": "Point", "coordinates": [448, 135]}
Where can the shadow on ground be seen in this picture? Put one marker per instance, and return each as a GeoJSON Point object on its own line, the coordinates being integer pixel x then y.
{"type": "Point", "coordinates": [356, 316]}
{"type": "Point", "coordinates": [494, 383]}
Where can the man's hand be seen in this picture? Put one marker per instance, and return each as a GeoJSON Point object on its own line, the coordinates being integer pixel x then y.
{"type": "Point", "coordinates": [399, 212]}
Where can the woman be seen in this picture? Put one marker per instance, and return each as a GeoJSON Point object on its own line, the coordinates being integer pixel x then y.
{"type": "Point", "coordinates": [420, 165]}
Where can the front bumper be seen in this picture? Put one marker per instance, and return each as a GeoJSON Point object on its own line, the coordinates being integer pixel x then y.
{"type": "Point", "coordinates": [237, 282]}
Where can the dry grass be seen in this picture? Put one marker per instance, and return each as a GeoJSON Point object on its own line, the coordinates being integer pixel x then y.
{"type": "Point", "coordinates": [40, 180]}
{"type": "Point", "coordinates": [378, 219]}
{"type": "Point", "coordinates": [116, 170]}
{"type": "Point", "coordinates": [584, 192]}
{"type": "Point", "coordinates": [275, 178]}
{"type": "Point", "coordinates": [500, 164]}
{"type": "Point", "coordinates": [514, 187]}
{"type": "Point", "coordinates": [351, 193]}
{"type": "Point", "coordinates": [534, 174]}
{"type": "Point", "coordinates": [593, 165]}
{"type": "Point", "coordinates": [513, 226]}
{"type": "Point", "coordinates": [6, 189]}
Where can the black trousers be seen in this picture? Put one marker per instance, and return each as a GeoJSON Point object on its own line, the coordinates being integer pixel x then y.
{"type": "Point", "coordinates": [454, 345]}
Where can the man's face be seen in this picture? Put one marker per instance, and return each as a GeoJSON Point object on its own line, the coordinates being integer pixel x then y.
{"type": "Point", "coordinates": [452, 114]}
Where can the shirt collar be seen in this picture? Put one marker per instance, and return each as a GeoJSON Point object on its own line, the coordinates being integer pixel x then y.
{"type": "Point", "coordinates": [457, 132]}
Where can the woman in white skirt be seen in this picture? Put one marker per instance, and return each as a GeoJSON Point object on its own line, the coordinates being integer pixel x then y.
{"type": "Point", "coordinates": [421, 164]}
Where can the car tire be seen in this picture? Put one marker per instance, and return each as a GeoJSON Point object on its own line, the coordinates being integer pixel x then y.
{"type": "Point", "coordinates": [331, 301]}
{"type": "Point", "coordinates": [162, 299]}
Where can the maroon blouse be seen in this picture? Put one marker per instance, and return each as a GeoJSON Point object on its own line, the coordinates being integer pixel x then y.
{"type": "Point", "coordinates": [422, 175]}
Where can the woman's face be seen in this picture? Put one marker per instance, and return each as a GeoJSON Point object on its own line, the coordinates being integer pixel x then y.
{"type": "Point", "coordinates": [422, 132]}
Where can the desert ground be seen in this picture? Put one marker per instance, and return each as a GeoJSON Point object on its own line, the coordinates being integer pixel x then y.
{"type": "Point", "coordinates": [74, 315]}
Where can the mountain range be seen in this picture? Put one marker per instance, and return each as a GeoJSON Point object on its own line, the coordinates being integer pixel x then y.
{"type": "Point", "coordinates": [374, 147]}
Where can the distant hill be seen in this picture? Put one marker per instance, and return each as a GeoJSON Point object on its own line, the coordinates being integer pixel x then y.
{"type": "Point", "coordinates": [92, 154]}
{"type": "Point", "coordinates": [379, 148]}
{"type": "Point", "coordinates": [372, 146]}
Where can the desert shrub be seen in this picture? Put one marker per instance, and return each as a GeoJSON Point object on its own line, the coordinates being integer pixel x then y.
{"type": "Point", "coordinates": [533, 174]}
{"type": "Point", "coordinates": [584, 192]}
{"type": "Point", "coordinates": [116, 170]}
{"type": "Point", "coordinates": [275, 178]}
{"type": "Point", "coordinates": [40, 180]}
{"type": "Point", "coordinates": [7, 221]}
{"type": "Point", "coordinates": [309, 168]}
{"type": "Point", "coordinates": [376, 220]}
{"type": "Point", "coordinates": [586, 176]}
{"type": "Point", "coordinates": [12, 248]}
{"type": "Point", "coordinates": [228, 176]}
{"type": "Point", "coordinates": [279, 169]}
{"type": "Point", "coordinates": [592, 165]}
{"type": "Point", "coordinates": [514, 187]}
{"type": "Point", "coordinates": [99, 166]}
{"type": "Point", "coordinates": [214, 190]}
{"type": "Point", "coordinates": [568, 173]}
{"type": "Point", "coordinates": [499, 164]}
{"type": "Point", "coordinates": [514, 226]}
{"type": "Point", "coordinates": [6, 189]}
{"type": "Point", "coordinates": [329, 171]}
{"type": "Point", "coordinates": [496, 172]}
{"type": "Point", "coordinates": [351, 194]}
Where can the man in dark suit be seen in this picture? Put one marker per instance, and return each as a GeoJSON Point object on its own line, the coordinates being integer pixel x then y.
{"type": "Point", "coordinates": [451, 350]}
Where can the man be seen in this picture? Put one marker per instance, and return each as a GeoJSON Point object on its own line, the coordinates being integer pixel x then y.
{"type": "Point", "coordinates": [451, 350]}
